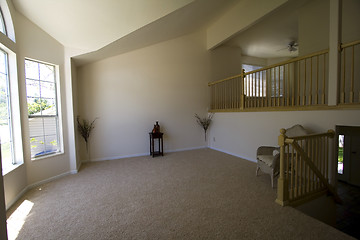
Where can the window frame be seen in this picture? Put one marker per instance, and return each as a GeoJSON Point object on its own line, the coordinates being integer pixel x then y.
{"type": "Point", "coordinates": [57, 116]}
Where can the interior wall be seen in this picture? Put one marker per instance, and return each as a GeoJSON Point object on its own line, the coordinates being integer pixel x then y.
{"type": "Point", "coordinates": [241, 134]}
{"type": "Point", "coordinates": [314, 27]}
{"type": "Point", "coordinates": [350, 20]}
{"type": "Point", "coordinates": [166, 82]}
{"type": "Point", "coordinates": [225, 62]}
{"type": "Point", "coordinates": [32, 42]}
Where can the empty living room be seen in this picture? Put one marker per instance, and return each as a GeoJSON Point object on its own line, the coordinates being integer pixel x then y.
{"type": "Point", "coordinates": [187, 119]}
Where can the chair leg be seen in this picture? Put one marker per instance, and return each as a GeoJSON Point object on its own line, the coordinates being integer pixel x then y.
{"type": "Point", "coordinates": [257, 170]}
{"type": "Point", "coordinates": [272, 180]}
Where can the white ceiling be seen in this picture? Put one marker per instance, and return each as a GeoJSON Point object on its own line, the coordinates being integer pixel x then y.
{"type": "Point", "coordinates": [105, 28]}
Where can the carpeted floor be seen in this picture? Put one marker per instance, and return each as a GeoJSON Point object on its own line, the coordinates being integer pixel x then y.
{"type": "Point", "coordinates": [200, 194]}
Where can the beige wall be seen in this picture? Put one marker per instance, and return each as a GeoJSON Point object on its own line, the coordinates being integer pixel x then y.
{"type": "Point", "coordinates": [32, 42]}
{"type": "Point", "coordinates": [166, 82]}
{"type": "Point", "coordinates": [314, 27]}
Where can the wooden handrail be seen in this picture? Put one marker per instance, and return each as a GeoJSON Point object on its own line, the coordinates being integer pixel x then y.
{"type": "Point", "coordinates": [345, 45]}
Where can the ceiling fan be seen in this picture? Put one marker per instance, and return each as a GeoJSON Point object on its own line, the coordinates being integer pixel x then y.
{"type": "Point", "coordinates": [292, 46]}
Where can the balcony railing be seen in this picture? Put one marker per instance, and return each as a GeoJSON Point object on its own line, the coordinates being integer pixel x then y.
{"type": "Point", "coordinates": [300, 83]}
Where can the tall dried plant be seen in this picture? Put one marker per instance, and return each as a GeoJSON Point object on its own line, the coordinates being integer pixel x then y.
{"type": "Point", "coordinates": [85, 127]}
{"type": "Point", "coordinates": [204, 122]}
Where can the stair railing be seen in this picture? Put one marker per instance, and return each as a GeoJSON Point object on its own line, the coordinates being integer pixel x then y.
{"type": "Point", "coordinates": [304, 167]}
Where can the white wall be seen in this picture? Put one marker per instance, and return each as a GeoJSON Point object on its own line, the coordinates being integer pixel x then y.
{"type": "Point", "coordinates": [166, 82]}
{"type": "Point", "coordinates": [241, 134]}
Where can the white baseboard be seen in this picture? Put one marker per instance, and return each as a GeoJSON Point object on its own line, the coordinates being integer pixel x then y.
{"type": "Point", "coordinates": [31, 186]}
{"type": "Point", "coordinates": [233, 154]}
{"type": "Point", "coordinates": [141, 154]}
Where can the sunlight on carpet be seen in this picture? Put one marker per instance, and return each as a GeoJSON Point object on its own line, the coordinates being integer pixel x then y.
{"type": "Point", "coordinates": [18, 218]}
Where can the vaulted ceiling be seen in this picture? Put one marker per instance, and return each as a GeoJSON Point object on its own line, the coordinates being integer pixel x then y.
{"type": "Point", "coordinates": [105, 28]}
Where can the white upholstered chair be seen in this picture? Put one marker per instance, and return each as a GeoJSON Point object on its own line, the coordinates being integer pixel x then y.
{"type": "Point", "coordinates": [268, 158]}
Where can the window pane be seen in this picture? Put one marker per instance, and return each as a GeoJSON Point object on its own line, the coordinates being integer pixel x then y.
{"type": "Point", "coordinates": [51, 144]}
{"type": "Point", "coordinates": [47, 73]}
{"type": "Point", "coordinates": [37, 145]}
{"type": "Point", "coordinates": [32, 88]}
{"type": "Point", "coordinates": [31, 69]}
{"type": "Point", "coordinates": [2, 24]}
{"type": "Point", "coordinates": [3, 64]}
{"type": "Point", "coordinates": [48, 90]}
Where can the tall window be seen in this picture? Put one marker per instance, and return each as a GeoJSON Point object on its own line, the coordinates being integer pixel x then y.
{"type": "Point", "coordinates": [5, 115]}
{"type": "Point", "coordinates": [42, 108]}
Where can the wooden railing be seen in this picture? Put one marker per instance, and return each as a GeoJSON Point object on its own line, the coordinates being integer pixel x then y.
{"type": "Point", "coordinates": [299, 82]}
{"type": "Point", "coordinates": [349, 83]}
{"type": "Point", "coordinates": [304, 167]}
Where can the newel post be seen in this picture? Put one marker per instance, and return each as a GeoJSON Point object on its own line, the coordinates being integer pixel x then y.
{"type": "Point", "coordinates": [283, 191]}
{"type": "Point", "coordinates": [242, 90]}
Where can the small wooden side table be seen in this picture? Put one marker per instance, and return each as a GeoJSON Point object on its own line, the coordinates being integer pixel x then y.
{"type": "Point", "coordinates": [159, 136]}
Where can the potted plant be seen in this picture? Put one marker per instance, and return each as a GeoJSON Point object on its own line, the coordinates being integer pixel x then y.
{"type": "Point", "coordinates": [85, 127]}
{"type": "Point", "coordinates": [204, 122]}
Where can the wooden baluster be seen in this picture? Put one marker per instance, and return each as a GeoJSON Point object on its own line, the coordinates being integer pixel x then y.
{"type": "Point", "coordinates": [233, 93]}
{"type": "Point", "coordinates": [247, 91]}
{"type": "Point", "coordinates": [298, 83]}
{"type": "Point", "coordinates": [351, 94]}
{"type": "Point", "coordinates": [317, 81]}
{"type": "Point", "coordinates": [324, 81]}
{"type": "Point", "coordinates": [293, 86]}
{"type": "Point", "coordinates": [215, 96]}
{"type": "Point", "coordinates": [268, 88]}
{"type": "Point", "coordinates": [278, 87]}
{"type": "Point", "coordinates": [237, 84]}
{"type": "Point", "coordinates": [311, 82]}
{"type": "Point", "coordinates": [284, 86]}
{"type": "Point", "coordinates": [297, 172]}
{"type": "Point", "coordinates": [283, 191]}
{"type": "Point", "coordinates": [292, 175]}
{"type": "Point", "coordinates": [288, 86]}
{"type": "Point", "coordinates": [262, 89]}
{"type": "Point", "coordinates": [254, 89]}
{"type": "Point", "coordinates": [302, 173]}
{"type": "Point", "coordinates": [307, 179]}
{"type": "Point", "coordinates": [304, 92]}
{"type": "Point", "coordinates": [342, 94]}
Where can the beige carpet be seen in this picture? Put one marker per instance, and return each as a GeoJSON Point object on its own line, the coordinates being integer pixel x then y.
{"type": "Point", "coordinates": [200, 194]}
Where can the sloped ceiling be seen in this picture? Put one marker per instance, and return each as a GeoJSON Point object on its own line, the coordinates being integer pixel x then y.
{"type": "Point", "coordinates": [92, 24]}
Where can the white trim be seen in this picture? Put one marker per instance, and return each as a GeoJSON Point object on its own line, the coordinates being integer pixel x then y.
{"type": "Point", "coordinates": [140, 154]}
{"type": "Point", "coordinates": [233, 154]}
{"type": "Point", "coordinates": [34, 185]}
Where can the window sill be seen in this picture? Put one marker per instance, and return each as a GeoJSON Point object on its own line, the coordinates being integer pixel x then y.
{"type": "Point", "coordinates": [11, 168]}
{"type": "Point", "coordinates": [47, 156]}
